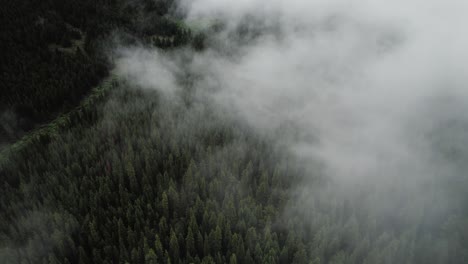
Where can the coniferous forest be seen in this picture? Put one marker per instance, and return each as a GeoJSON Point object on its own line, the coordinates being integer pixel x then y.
{"type": "Point", "coordinates": [97, 168]}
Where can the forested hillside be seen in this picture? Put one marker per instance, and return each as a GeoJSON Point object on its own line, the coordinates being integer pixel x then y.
{"type": "Point", "coordinates": [54, 52]}
{"type": "Point", "coordinates": [138, 179]}
{"type": "Point", "coordinates": [129, 184]}
{"type": "Point", "coordinates": [119, 144]}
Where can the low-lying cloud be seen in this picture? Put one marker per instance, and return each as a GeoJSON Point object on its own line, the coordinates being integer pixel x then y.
{"type": "Point", "coordinates": [375, 91]}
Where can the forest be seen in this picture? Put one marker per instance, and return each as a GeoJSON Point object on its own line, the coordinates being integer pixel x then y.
{"type": "Point", "coordinates": [96, 167]}
{"type": "Point", "coordinates": [53, 53]}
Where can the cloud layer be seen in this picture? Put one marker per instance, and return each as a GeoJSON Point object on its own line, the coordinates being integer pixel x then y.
{"type": "Point", "coordinates": [373, 91]}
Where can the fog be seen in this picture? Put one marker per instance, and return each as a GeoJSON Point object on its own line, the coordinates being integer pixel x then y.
{"type": "Point", "coordinates": [369, 95]}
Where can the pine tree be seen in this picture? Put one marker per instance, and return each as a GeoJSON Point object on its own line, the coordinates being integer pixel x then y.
{"type": "Point", "coordinates": [300, 257]}
{"type": "Point", "coordinates": [158, 246]}
{"type": "Point", "coordinates": [233, 259]}
{"type": "Point", "coordinates": [151, 257]}
{"type": "Point", "coordinates": [174, 247]}
{"type": "Point", "coordinates": [190, 242]}
{"type": "Point", "coordinates": [165, 205]}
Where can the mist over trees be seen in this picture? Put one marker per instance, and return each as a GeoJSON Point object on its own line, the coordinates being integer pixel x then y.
{"type": "Point", "coordinates": [233, 132]}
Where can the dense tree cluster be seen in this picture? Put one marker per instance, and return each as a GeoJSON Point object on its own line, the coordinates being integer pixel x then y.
{"type": "Point", "coordinates": [54, 52]}
{"type": "Point", "coordinates": [142, 179]}
{"type": "Point", "coordinates": [138, 187]}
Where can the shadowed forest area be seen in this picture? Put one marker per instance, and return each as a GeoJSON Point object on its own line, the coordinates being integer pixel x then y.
{"type": "Point", "coordinates": [54, 52]}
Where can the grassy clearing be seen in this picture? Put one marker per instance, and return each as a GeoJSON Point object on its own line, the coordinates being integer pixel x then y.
{"type": "Point", "coordinates": [76, 44]}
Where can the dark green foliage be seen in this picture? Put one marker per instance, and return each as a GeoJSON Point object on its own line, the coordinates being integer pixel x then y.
{"type": "Point", "coordinates": [53, 52]}
{"type": "Point", "coordinates": [44, 64]}
{"type": "Point", "coordinates": [138, 187]}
